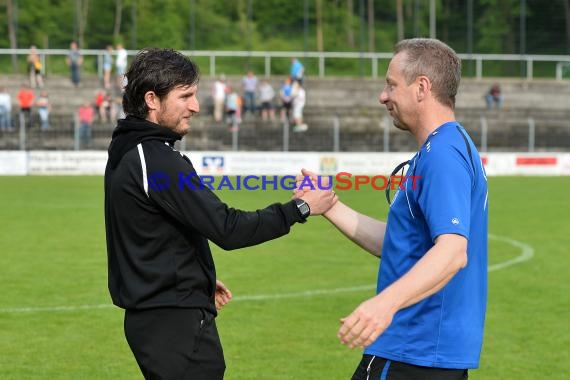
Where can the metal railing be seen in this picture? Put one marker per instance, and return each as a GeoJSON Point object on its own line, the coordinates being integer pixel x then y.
{"type": "Point", "coordinates": [65, 133]}
{"type": "Point", "coordinates": [560, 62]}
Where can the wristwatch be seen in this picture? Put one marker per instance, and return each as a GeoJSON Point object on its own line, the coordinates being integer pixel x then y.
{"type": "Point", "coordinates": [303, 209]}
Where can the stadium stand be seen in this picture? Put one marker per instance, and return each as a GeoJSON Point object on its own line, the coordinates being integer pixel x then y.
{"type": "Point", "coordinates": [352, 101]}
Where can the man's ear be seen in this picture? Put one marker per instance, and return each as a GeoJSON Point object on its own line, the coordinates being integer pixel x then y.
{"type": "Point", "coordinates": [424, 87]}
{"type": "Point", "coordinates": [152, 101]}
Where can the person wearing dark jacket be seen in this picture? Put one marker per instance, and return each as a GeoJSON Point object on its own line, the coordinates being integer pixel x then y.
{"type": "Point", "coordinates": [159, 221]}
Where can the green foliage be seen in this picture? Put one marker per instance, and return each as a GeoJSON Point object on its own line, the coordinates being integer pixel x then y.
{"type": "Point", "coordinates": [170, 33]}
{"type": "Point", "coordinates": [496, 26]}
{"type": "Point", "coordinates": [279, 24]}
{"type": "Point", "coordinates": [101, 24]}
{"type": "Point", "coordinates": [43, 23]}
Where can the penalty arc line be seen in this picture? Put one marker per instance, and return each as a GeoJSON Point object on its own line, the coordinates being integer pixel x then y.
{"type": "Point", "coordinates": [527, 253]}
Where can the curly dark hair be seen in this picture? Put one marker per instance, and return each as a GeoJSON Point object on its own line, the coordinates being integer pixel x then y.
{"type": "Point", "coordinates": [157, 70]}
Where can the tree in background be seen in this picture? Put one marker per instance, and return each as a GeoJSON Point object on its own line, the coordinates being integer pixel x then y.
{"type": "Point", "coordinates": [566, 4]}
{"type": "Point", "coordinates": [12, 31]}
{"type": "Point", "coordinates": [319, 22]}
{"type": "Point", "coordinates": [371, 30]}
{"type": "Point", "coordinates": [284, 25]}
{"type": "Point", "coordinates": [495, 26]}
{"type": "Point", "coordinates": [118, 20]}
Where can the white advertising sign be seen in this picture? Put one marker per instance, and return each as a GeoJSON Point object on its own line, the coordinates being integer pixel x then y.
{"type": "Point", "coordinates": [276, 163]}
{"type": "Point", "coordinates": [13, 163]}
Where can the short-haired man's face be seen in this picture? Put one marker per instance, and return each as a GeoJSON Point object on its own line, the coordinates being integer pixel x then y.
{"type": "Point", "coordinates": [175, 109]}
{"type": "Point", "coordinates": [397, 95]}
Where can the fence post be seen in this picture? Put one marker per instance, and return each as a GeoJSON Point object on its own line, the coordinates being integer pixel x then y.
{"type": "Point", "coordinates": [321, 66]}
{"type": "Point", "coordinates": [212, 66]}
{"type": "Point", "coordinates": [385, 124]}
{"type": "Point", "coordinates": [267, 66]}
{"type": "Point", "coordinates": [75, 132]}
{"type": "Point", "coordinates": [235, 138]}
{"type": "Point", "coordinates": [336, 134]}
{"type": "Point", "coordinates": [286, 134]}
{"type": "Point", "coordinates": [479, 68]}
{"type": "Point", "coordinates": [483, 133]}
{"type": "Point", "coordinates": [531, 128]}
{"type": "Point", "coordinates": [529, 69]}
{"type": "Point", "coordinates": [22, 120]}
{"type": "Point", "coordinates": [99, 59]}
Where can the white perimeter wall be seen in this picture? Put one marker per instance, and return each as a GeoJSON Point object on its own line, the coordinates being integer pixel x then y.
{"type": "Point", "coordinates": [275, 163]}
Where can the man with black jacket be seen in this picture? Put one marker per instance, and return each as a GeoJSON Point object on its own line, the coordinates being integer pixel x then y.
{"type": "Point", "coordinates": [161, 269]}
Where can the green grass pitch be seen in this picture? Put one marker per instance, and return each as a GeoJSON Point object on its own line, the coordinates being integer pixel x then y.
{"type": "Point", "coordinates": [56, 321]}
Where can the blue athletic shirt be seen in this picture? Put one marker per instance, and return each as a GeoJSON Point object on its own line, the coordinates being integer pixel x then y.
{"type": "Point", "coordinates": [444, 330]}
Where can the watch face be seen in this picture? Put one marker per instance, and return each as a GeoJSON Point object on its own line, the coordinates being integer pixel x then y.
{"type": "Point", "coordinates": [303, 207]}
{"type": "Point", "coordinates": [305, 210]}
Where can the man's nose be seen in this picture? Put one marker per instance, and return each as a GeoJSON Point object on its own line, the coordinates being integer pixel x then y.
{"type": "Point", "coordinates": [194, 105]}
{"type": "Point", "coordinates": [383, 98]}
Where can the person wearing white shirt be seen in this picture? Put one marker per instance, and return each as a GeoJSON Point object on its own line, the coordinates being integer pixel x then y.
{"type": "Point", "coordinates": [5, 110]}
{"type": "Point", "coordinates": [121, 64]}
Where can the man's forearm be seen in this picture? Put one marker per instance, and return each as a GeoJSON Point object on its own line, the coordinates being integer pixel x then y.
{"type": "Point", "coordinates": [363, 230]}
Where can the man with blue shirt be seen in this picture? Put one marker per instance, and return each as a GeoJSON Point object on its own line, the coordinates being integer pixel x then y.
{"type": "Point", "coordinates": [426, 321]}
{"type": "Point", "coordinates": [297, 71]}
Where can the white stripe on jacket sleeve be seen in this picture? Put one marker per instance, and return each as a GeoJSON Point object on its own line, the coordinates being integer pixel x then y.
{"type": "Point", "coordinates": [143, 164]}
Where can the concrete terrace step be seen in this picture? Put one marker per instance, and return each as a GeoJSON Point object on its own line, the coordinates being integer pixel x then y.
{"type": "Point", "coordinates": [353, 100]}
{"type": "Point", "coordinates": [336, 92]}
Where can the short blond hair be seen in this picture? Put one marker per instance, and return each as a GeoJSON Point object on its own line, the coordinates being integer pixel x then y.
{"type": "Point", "coordinates": [435, 60]}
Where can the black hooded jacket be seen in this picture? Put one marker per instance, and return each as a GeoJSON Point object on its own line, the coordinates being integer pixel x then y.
{"type": "Point", "coordinates": [158, 228]}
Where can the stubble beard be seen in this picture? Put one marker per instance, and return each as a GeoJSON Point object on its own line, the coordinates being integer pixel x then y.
{"type": "Point", "coordinates": [398, 124]}
{"type": "Point", "coordinates": [181, 127]}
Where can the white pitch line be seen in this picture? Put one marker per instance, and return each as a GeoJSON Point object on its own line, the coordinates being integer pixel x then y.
{"type": "Point", "coordinates": [252, 297]}
{"type": "Point", "coordinates": [54, 308]}
{"type": "Point", "coordinates": [527, 252]}
{"type": "Point", "coordinates": [307, 293]}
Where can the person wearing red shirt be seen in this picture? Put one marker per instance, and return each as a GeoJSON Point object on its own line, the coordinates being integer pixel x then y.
{"type": "Point", "coordinates": [26, 101]}
{"type": "Point", "coordinates": [86, 113]}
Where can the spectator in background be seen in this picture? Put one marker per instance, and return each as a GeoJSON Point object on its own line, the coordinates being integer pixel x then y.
{"type": "Point", "coordinates": [233, 109]}
{"type": "Point", "coordinates": [109, 109]}
{"type": "Point", "coordinates": [121, 65]}
{"type": "Point", "coordinates": [107, 66]}
{"type": "Point", "coordinates": [299, 99]}
{"type": "Point", "coordinates": [5, 110]}
{"type": "Point", "coordinates": [249, 84]}
{"type": "Point", "coordinates": [44, 107]}
{"type": "Point", "coordinates": [26, 102]}
{"type": "Point", "coordinates": [74, 61]}
{"type": "Point", "coordinates": [105, 106]}
{"type": "Point", "coordinates": [494, 97]}
{"type": "Point", "coordinates": [35, 68]}
{"type": "Point", "coordinates": [266, 96]}
{"type": "Point", "coordinates": [99, 100]}
{"type": "Point", "coordinates": [85, 114]}
{"type": "Point", "coordinates": [117, 106]}
{"type": "Point", "coordinates": [297, 71]}
{"type": "Point", "coordinates": [219, 97]}
{"type": "Point", "coordinates": [286, 96]}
